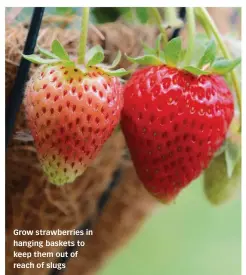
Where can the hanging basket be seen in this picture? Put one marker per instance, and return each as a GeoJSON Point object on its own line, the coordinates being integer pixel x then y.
{"type": "Point", "coordinates": [33, 203]}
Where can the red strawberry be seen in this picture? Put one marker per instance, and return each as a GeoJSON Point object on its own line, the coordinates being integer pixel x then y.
{"type": "Point", "coordinates": [174, 122]}
{"type": "Point", "coordinates": [71, 114]}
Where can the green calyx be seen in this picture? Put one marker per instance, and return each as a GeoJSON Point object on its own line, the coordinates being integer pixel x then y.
{"type": "Point", "coordinates": [94, 57]}
{"type": "Point", "coordinates": [173, 55]}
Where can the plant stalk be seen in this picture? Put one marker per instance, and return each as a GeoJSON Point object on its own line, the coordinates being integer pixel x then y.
{"type": "Point", "coordinates": [202, 21]}
{"type": "Point", "coordinates": [83, 35]}
{"type": "Point", "coordinates": [191, 35]}
{"type": "Point", "coordinates": [171, 17]}
{"type": "Point", "coordinates": [158, 20]}
{"type": "Point", "coordinates": [170, 14]}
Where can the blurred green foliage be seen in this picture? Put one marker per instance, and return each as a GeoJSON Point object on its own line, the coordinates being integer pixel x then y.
{"type": "Point", "coordinates": [104, 15]}
{"type": "Point", "coordinates": [133, 15]}
{"type": "Point", "coordinates": [98, 15]}
{"type": "Point", "coordinates": [142, 15]}
{"type": "Point", "coordinates": [65, 11]}
{"type": "Point", "coordinates": [188, 237]}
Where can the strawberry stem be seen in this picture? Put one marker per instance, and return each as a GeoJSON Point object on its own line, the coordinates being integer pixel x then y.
{"type": "Point", "coordinates": [171, 17]}
{"type": "Point", "coordinates": [83, 35]}
{"type": "Point", "coordinates": [170, 14]}
{"type": "Point", "coordinates": [191, 35]}
{"type": "Point", "coordinates": [204, 25]}
{"type": "Point", "coordinates": [211, 24]}
{"type": "Point", "coordinates": [158, 20]}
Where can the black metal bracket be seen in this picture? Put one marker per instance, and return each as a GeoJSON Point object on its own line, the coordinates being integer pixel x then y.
{"type": "Point", "coordinates": [16, 96]}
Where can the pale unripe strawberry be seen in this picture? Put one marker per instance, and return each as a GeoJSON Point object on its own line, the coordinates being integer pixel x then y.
{"type": "Point", "coordinates": [71, 114]}
{"type": "Point", "coordinates": [218, 187]}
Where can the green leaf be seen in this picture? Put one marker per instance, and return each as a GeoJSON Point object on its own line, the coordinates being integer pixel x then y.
{"type": "Point", "coordinates": [236, 122]}
{"type": "Point", "coordinates": [145, 60]}
{"type": "Point", "coordinates": [162, 57]}
{"type": "Point", "coordinates": [95, 55]}
{"type": "Point", "coordinates": [119, 72]}
{"type": "Point", "coordinates": [65, 11]}
{"type": "Point", "coordinates": [195, 70]}
{"type": "Point", "coordinates": [209, 55]}
{"type": "Point", "coordinates": [182, 54]}
{"type": "Point", "coordinates": [123, 10]}
{"type": "Point", "coordinates": [68, 63]}
{"type": "Point", "coordinates": [46, 53]}
{"type": "Point", "coordinates": [116, 61]}
{"type": "Point", "coordinates": [221, 150]}
{"type": "Point", "coordinates": [158, 44]}
{"type": "Point", "coordinates": [106, 14]}
{"type": "Point", "coordinates": [172, 51]}
{"type": "Point", "coordinates": [126, 14]}
{"type": "Point", "coordinates": [59, 51]}
{"type": "Point", "coordinates": [39, 60]}
{"type": "Point", "coordinates": [224, 66]}
{"type": "Point", "coordinates": [201, 42]}
{"type": "Point", "coordinates": [232, 156]}
{"type": "Point", "coordinates": [142, 15]}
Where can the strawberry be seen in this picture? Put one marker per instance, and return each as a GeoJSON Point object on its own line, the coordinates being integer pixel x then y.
{"type": "Point", "coordinates": [174, 120]}
{"type": "Point", "coordinates": [218, 187]}
{"type": "Point", "coordinates": [223, 176]}
{"type": "Point", "coordinates": [71, 112]}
